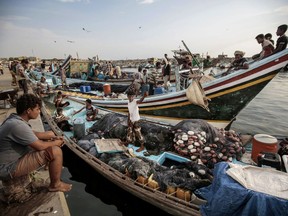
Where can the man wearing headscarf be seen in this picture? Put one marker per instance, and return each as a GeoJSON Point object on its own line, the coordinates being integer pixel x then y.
{"type": "Point", "coordinates": [239, 63]}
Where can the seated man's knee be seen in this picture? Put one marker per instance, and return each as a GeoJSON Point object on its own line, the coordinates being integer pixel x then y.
{"type": "Point", "coordinates": [53, 152]}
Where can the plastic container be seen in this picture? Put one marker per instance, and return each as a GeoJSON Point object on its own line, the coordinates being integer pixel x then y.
{"type": "Point", "coordinates": [263, 143]}
{"type": "Point", "coordinates": [82, 88]}
{"type": "Point", "coordinates": [79, 128]}
{"type": "Point", "coordinates": [145, 88]}
{"type": "Point", "coordinates": [107, 89]}
{"type": "Point", "coordinates": [88, 88]}
{"type": "Point", "coordinates": [159, 90]}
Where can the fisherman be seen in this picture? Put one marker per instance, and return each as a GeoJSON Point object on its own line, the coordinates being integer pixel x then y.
{"type": "Point", "coordinates": [62, 120]}
{"type": "Point", "coordinates": [20, 72]}
{"type": "Point", "coordinates": [23, 150]}
{"type": "Point", "coordinates": [166, 71]}
{"type": "Point", "coordinates": [268, 36]}
{"type": "Point", "coordinates": [58, 100]}
{"type": "Point", "coordinates": [63, 76]}
{"type": "Point", "coordinates": [282, 40]}
{"type": "Point", "coordinates": [134, 128]}
{"type": "Point", "coordinates": [239, 63]}
{"type": "Point", "coordinates": [12, 69]}
{"type": "Point", "coordinates": [91, 111]}
{"type": "Point", "coordinates": [267, 47]}
{"type": "Point", "coordinates": [137, 81]}
{"type": "Point", "coordinates": [43, 86]}
{"type": "Point", "coordinates": [43, 66]}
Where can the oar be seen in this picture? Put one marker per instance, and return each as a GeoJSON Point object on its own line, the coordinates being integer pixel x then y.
{"type": "Point", "coordinates": [198, 64]}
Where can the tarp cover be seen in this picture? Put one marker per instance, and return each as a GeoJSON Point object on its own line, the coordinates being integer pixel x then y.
{"type": "Point", "coordinates": [225, 196]}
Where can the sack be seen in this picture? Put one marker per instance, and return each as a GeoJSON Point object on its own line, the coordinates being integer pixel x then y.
{"type": "Point", "coordinates": [196, 95]}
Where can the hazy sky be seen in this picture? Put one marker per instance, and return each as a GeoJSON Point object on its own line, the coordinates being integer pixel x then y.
{"type": "Point", "coordinates": [120, 29]}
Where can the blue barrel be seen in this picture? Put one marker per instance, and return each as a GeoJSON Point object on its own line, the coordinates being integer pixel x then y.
{"type": "Point", "coordinates": [88, 88]}
{"type": "Point", "coordinates": [82, 89]}
{"type": "Point", "coordinates": [159, 90]}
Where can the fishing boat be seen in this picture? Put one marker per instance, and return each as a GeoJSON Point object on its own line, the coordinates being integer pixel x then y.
{"type": "Point", "coordinates": [222, 100]}
{"type": "Point", "coordinates": [175, 200]}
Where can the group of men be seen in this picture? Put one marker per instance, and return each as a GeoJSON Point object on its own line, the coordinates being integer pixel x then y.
{"type": "Point", "coordinates": [267, 49]}
{"type": "Point", "coordinates": [142, 78]}
{"type": "Point", "coordinates": [268, 44]}
{"type": "Point", "coordinates": [23, 150]}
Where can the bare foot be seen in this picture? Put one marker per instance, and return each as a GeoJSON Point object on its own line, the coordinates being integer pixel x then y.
{"type": "Point", "coordinates": [63, 187]}
{"type": "Point", "coordinates": [140, 149]}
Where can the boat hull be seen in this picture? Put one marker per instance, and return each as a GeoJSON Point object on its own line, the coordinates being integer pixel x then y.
{"type": "Point", "coordinates": [228, 95]}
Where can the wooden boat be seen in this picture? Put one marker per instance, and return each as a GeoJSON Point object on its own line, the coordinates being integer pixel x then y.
{"type": "Point", "coordinates": [228, 95]}
{"type": "Point", "coordinates": [183, 203]}
{"type": "Point", "coordinates": [177, 202]}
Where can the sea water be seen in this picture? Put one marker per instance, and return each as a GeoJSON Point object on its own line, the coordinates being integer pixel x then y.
{"type": "Point", "coordinates": [92, 194]}
{"type": "Point", "coordinates": [267, 112]}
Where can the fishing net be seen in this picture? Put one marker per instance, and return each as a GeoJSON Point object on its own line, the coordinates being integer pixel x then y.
{"type": "Point", "coordinates": [198, 139]}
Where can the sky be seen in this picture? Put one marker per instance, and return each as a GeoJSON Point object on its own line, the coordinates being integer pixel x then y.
{"type": "Point", "coordinates": [132, 29]}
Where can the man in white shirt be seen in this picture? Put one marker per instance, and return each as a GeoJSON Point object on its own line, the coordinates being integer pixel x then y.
{"type": "Point", "coordinates": [134, 128]}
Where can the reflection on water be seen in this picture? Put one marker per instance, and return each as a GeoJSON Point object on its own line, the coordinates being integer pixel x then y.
{"type": "Point", "coordinates": [267, 112]}
{"type": "Point", "coordinates": [93, 194]}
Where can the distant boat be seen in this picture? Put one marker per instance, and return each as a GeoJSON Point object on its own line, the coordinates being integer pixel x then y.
{"type": "Point", "coordinates": [228, 95]}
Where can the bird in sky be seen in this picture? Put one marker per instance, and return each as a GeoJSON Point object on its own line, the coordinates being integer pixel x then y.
{"type": "Point", "coordinates": [70, 41]}
{"type": "Point", "coordinates": [139, 27]}
{"type": "Point", "coordinates": [86, 30]}
{"type": "Point", "coordinates": [55, 41]}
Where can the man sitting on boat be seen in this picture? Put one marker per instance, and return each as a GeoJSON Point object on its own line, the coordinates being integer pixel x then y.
{"type": "Point", "coordinates": [239, 63]}
{"type": "Point", "coordinates": [134, 128]}
{"type": "Point", "coordinates": [42, 86]}
{"type": "Point", "coordinates": [58, 100]}
{"type": "Point", "coordinates": [267, 47]}
{"type": "Point", "coordinates": [282, 40]}
{"type": "Point", "coordinates": [62, 120]}
{"type": "Point", "coordinates": [91, 111]}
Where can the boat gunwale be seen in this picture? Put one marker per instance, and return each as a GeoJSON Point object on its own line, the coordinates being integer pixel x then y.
{"type": "Point", "coordinates": [164, 201]}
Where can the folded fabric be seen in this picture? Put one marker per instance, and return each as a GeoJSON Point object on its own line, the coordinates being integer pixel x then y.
{"type": "Point", "coordinates": [264, 180]}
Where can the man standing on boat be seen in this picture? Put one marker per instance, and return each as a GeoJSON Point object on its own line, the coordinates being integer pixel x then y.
{"type": "Point", "coordinates": [63, 76]}
{"type": "Point", "coordinates": [138, 81]}
{"type": "Point", "coordinates": [166, 71]}
{"type": "Point", "coordinates": [134, 128]}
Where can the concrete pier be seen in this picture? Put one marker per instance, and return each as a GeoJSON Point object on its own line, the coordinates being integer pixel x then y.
{"type": "Point", "coordinates": [42, 201]}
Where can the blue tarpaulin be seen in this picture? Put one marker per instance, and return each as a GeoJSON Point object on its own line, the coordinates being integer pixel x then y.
{"type": "Point", "coordinates": [225, 196]}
